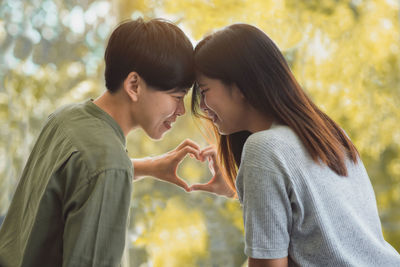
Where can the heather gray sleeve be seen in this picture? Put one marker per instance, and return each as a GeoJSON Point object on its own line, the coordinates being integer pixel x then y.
{"type": "Point", "coordinates": [266, 213]}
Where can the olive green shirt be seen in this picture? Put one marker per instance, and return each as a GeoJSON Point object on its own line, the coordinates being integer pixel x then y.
{"type": "Point", "coordinates": [72, 202]}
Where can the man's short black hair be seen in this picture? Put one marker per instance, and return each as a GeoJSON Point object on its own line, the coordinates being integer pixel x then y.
{"type": "Point", "coordinates": [157, 50]}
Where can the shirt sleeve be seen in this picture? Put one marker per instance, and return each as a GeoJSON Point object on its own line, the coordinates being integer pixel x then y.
{"type": "Point", "coordinates": [95, 226]}
{"type": "Point", "coordinates": [266, 213]}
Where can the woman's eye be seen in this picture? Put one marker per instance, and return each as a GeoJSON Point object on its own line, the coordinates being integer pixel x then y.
{"type": "Point", "coordinates": [203, 91]}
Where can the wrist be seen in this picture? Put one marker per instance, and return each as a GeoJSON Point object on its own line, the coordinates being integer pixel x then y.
{"type": "Point", "coordinates": [231, 194]}
{"type": "Point", "coordinates": [143, 167]}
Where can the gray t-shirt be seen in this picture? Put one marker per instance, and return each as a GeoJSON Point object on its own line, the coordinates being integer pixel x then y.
{"type": "Point", "coordinates": [294, 207]}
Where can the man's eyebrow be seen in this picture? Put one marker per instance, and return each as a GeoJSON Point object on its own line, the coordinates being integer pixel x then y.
{"type": "Point", "coordinates": [179, 90]}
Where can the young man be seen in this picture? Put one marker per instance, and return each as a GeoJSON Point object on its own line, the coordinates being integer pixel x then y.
{"type": "Point", "coordinates": [71, 205]}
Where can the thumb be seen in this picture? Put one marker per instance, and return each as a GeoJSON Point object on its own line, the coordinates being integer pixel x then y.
{"type": "Point", "coordinates": [182, 184]}
{"type": "Point", "coordinates": [202, 187]}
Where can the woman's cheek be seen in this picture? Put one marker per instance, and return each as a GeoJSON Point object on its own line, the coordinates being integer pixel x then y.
{"type": "Point", "coordinates": [208, 101]}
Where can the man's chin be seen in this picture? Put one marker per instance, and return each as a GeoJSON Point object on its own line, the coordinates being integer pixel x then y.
{"type": "Point", "coordinates": [157, 136]}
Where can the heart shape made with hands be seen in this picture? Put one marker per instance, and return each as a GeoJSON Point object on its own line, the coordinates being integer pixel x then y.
{"type": "Point", "coordinates": [172, 160]}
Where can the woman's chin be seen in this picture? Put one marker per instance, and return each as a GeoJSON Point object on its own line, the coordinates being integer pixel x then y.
{"type": "Point", "coordinates": [227, 131]}
{"type": "Point", "coordinates": [221, 130]}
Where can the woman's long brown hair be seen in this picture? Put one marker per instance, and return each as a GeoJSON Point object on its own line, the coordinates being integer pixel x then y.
{"type": "Point", "coordinates": [243, 55]}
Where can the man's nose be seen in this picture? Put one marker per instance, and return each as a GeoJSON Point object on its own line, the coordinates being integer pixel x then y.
{"type": "Point", "coordinates": [180, 109]}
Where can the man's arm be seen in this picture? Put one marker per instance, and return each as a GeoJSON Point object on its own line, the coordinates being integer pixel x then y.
{"type": "Point", "coordinates": [282, 262]}
{"type": "Point", "coordinates": [142, 167]}
{"type": "Point", "coordinates": [96, 220]}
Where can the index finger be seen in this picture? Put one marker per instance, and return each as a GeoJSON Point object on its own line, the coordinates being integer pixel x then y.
{"type": "Point", "coordinates": [202, 187]}
{"type": "Point", "coordinates": [188, 142]}
{"type": "Point", "coordinates": [187, 150]}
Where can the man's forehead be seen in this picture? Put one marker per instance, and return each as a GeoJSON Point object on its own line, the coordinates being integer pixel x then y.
{"type": "Point", "coordinates": [180, 90]}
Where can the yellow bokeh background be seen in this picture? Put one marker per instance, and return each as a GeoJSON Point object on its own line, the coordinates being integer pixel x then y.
{"type": "Point", "coordinates": [345, 53]}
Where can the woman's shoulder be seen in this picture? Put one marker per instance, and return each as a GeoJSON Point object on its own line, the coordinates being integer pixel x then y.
{"type": "Point", "coordinates": [277, 138]}
{"type": "Point", "coordinates": [273, 146]}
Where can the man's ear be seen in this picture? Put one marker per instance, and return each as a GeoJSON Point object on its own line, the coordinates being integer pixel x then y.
{"type": "Point", "coordinates": [132, 86]}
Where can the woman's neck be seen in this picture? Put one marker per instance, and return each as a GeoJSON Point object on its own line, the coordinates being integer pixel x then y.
{"type": "Point", "coordinates": [258, 121]}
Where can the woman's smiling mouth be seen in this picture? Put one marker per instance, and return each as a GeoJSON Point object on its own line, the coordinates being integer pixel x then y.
{"type": "Point", "coordinates": [212, 116]}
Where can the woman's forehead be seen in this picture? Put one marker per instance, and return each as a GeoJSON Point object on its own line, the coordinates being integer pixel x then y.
{"type": "Point", "coordinates": [202, 80]}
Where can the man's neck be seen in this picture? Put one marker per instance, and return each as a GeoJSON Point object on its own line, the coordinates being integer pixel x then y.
{"type": "Point", "coordinates": [118, 108]}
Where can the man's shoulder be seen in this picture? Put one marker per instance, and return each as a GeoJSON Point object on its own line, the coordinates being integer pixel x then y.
{"type": "Point", "coordinates": [98, 144]}
{"type": "Point", "coordinates": [101, 150]}
{"type": "Point", "coordinates": [64, 111]}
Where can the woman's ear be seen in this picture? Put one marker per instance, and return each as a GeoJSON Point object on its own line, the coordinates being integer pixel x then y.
{"type": "Point", "coordinates": [132, 86]}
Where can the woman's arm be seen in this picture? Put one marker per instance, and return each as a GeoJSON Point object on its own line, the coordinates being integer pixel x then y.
{"type": "Point", "coordinates": [218, 184]}
{"type": "Point", "coordinates": [282, 262]}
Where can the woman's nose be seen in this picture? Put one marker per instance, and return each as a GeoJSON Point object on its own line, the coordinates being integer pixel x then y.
{"type": "Point", "coordinates": [203, 105]}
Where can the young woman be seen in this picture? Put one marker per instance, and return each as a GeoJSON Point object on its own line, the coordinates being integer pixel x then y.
{"type": "Point", "coordinates": [307, 198]}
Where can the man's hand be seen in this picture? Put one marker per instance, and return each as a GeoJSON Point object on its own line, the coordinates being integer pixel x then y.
{"type": "Point", "coordinates": [218, 184]}
{"type": "Point", "coordinates": [165, 167]}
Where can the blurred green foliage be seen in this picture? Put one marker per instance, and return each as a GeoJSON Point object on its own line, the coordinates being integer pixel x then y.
{"type": "Point", "coordinates": [346, 54]}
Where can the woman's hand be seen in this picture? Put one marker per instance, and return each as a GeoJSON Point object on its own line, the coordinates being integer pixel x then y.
{"type": "Point", "coordinates": [165, 167]}
{"type": "Point", "coordinates": [218, 184]}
